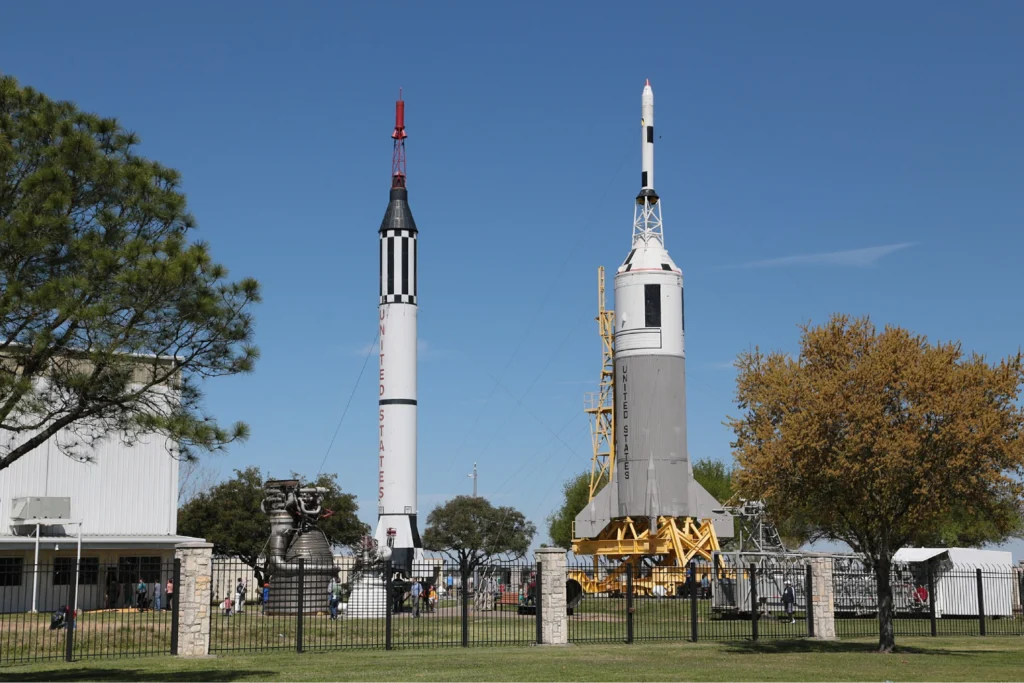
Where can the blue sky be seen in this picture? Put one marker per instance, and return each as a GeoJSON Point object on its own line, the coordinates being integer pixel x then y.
{"type": "Point", "coordinates": [812, 157]}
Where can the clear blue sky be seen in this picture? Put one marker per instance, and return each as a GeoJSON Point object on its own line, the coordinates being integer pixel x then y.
{"type": "Point", "coordinates": [792, 129]}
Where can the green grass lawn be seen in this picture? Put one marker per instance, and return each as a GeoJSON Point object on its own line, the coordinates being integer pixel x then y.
{"type": "Point", "coordinates": [919, 659]}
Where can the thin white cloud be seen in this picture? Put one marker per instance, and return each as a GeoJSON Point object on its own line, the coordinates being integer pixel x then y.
{"type": "Point", "coordinates": [851, 258]}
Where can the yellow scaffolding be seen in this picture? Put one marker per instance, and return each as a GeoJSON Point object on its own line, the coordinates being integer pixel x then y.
{"type": "Point", "coordinates": [601, 405]}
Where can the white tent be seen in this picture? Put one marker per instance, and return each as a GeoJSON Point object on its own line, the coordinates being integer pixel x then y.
{"type": "Point", "coordinates": [955, 572]}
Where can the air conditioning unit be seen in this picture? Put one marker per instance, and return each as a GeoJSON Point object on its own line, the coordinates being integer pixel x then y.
{"type": "Point", "coordinates": [28, 509]}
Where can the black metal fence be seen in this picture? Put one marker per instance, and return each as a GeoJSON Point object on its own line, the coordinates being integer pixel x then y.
{"type": "Point", "coordinates": [931, 599]}
{"type": "Point", "coordinates": [350, 606]}
{"type": "Point", "coordinates": [703, 601]}
{"type": "Point", "coordinates": [120, 610]}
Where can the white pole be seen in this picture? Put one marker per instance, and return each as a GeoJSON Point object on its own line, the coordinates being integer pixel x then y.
{"type": "Point", "coordinates": [35, 574]}
{"type": "Point", "coordinates": [78, 568]}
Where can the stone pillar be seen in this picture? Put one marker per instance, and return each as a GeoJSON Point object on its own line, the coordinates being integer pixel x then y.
{"type": "Point", "coordinates": [822, 603]}
{"type": "Point", "coordinates": [193, 598]}
{"type": "Point", "coordinates": [554, 624]}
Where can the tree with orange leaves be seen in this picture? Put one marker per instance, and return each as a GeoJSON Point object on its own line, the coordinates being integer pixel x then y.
{"type": "Point", "coordinates": [882, 440]}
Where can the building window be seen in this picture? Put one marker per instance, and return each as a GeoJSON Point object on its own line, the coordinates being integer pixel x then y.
{"type": "Point", "coordinates": [11, 569]}
{"type": "Point", "coordinates": [131, 569]}
{"type": "Point", "coordinates": [64, 569]}
{"type": "Point", "coordinates": [652, 305]}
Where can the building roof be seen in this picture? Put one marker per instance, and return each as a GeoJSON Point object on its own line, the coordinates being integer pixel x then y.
{"type": "Point", "coordinates": [96, 541]}
{"type": "Point", "coordinates": [917, 554]}
{"type": "Point", "coordinates": [973, 557]}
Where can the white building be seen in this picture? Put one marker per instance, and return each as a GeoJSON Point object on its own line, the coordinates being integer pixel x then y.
{"type": "Point", "coordinates": [126, 500]}
{"type": "Point", "coordinates": [956, 582]}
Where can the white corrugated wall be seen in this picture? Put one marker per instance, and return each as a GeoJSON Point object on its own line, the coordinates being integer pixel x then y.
{"type": "Point", "coordinates": [126, 490]}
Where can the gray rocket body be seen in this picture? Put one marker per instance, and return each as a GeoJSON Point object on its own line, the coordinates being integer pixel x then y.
{"type": "Point", "coordinates": [653, 472]}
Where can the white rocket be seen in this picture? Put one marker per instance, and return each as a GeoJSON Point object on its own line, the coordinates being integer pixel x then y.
{"type": "Point", "coordinates": [652, 465]}
{"type": "Point", "coordinates": [653, 476]}
{"type": "Point", "coordinates": [396, 458]}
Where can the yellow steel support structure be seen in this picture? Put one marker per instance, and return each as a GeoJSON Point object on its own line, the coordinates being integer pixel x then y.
{"type": "Point", "coordinates": [628, 541]}
{"type": "Point", "coordinates": [601, 405]}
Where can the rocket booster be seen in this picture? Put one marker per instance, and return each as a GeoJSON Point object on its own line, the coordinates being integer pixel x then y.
{"type": "Point", "coordinates": [397, 407]}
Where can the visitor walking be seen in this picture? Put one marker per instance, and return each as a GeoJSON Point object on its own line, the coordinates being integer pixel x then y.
{"type": "Point", "coordinates": [333, 595]}
{"type": "Point", "coordinates": [170, 592]}
{"type": "Point", "coordinates": [788, 599]}
{"type": "Point", "coordinates": [415, 590]}
{"type": "Point", "coordinates": [240, 595]}
{"type": "Point", "coordinates": [266, 597]}
{"type": "Point", "coordinates": [140, 594]}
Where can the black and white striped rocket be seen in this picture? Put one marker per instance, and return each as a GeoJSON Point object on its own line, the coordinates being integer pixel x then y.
{"type": "Point", "coordinates": [396, 492]}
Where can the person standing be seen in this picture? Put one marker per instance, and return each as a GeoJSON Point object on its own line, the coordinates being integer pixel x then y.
{"type": "Point", "coordinates": [170, 592]}
{"type": "Point", "coordinates": [705, 587]}
{"type": "Point", "coordinates": [266, 597]}
{"type": "Point", "coordinates": [415, 590]}
{"type": "Point", "coordinates": [332, 598]}
{"type": "Point", "coordinates": [140, 594]}
{"type": "Point", "coordinates": [156, 596]}
{"type": "Point", "coordinates": [240, 595]}
{"type": "Point", "coordinates": [788, 600]}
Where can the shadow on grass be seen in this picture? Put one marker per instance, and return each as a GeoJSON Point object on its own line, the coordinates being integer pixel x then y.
{"type": "Point", "coordinates": [822, 647]}
{"type": "Point", "coordinates": [97, 674]}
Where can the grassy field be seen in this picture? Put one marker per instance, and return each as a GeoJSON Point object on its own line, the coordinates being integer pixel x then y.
{"type": "Point", "coordinates": [919, 659]}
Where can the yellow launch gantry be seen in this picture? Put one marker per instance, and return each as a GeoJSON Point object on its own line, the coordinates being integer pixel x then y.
{"type": "Point", "coordinates": [676, 540]}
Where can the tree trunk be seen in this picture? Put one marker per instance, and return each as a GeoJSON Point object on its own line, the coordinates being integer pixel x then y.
{"type": "Point", "coordinates": [886, 635]}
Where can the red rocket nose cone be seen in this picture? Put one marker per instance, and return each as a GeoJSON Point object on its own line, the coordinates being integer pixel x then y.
{"type": "Point", "coordinates": [648, 83]}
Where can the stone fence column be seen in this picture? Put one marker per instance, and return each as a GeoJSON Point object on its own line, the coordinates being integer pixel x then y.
{"type": "Point", "coordinates": [822, 603]}
{"type": "Point", "coordinates": [554, 625]}
{"type": "Point", "coordinates": [193, 598]}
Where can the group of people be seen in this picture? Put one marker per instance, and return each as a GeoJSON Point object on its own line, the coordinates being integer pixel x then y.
{"type": "Point", "coordinates": [138, 595]}
{"type": "Point", "coordinates": [241, 591]}
{"type": "Point", "coordinates": [418, 594]}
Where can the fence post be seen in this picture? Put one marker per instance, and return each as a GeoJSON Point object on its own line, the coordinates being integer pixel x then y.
{"type": "Point", "coordinates": [537, 603]}
{"type": "Point", "coordinates": [192, 594]}
{"type": "Point", "coordinates": [551, 596]}
{"type": "Point", "coordinates": [755, 613]}
{"type": "Point", "coordinates": [981, 603]}
{"type": "Point", "coordinates": [176, 582]}
{"type": "Point", "coordinates": [465, 605]}
{"type": "Point", "coordinates": [808, 603]}
{"type": "Point", "coordinates": [821, 598]}
{"type": "Point", "coordinates": [629, 603]}
{"type": "Point", "coordinates": [72, 622]}
{"type": "Point", "coordinates": [931, 602]}
{"type": "Point", "coordinates": [389, 604]}
{"type": "Point", "coordinates": [693, 601]}
{"type": "Point", "coordinates": [300, 603]}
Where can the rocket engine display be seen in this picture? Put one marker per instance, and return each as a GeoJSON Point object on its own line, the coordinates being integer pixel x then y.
{"type": "Point", "coordinates": [294, 511]}
{"type": "Point", "coordinates": [396, 492]}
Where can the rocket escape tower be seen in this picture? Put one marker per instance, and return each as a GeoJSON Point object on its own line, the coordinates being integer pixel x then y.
{"type": "Point", "coordinates": [398, 156]}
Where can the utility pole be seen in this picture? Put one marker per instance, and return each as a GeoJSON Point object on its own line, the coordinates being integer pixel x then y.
{"type": "Point", "coordinates": [473, 477]}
